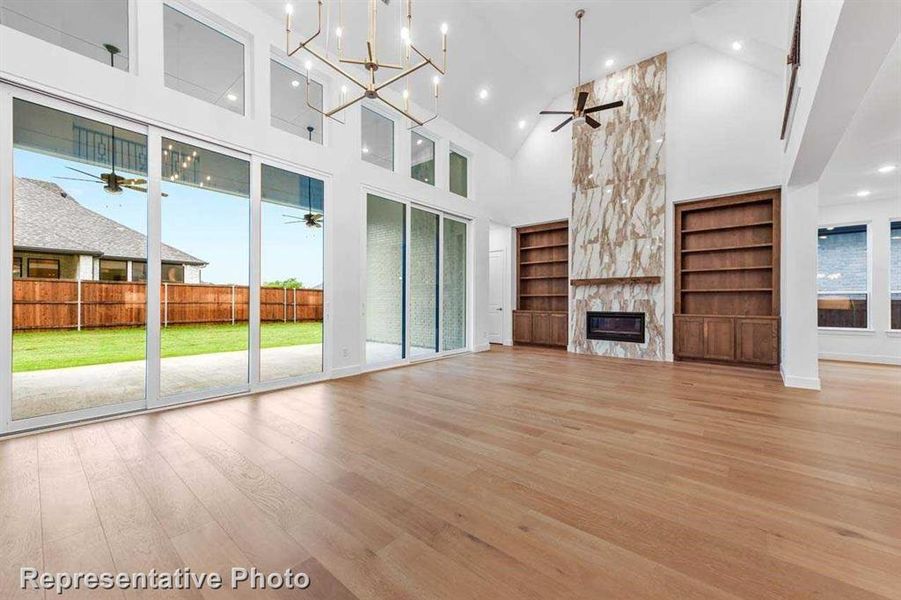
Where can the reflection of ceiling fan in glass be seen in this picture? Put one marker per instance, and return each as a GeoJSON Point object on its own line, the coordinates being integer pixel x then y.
{"type": "Point", "coordinates": [112, 182]}
{"type": "Point", "coordinates": [311, 219]}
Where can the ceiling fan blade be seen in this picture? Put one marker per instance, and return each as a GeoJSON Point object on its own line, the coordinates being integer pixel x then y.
{"type": "Point", "coordinates": [590, 120]}
{"type": "Point", "coordinates": [580, 103]}
{"type": "Point", "coordinates": [556, 112]}
{"type": "Point", "coordinates": [560, 126]}
{"type": "Point", "coordinates": [138, 181]}
{"type": "Point", "coordinates": [85, 173]}
{"type": "Point", "coordinates": [616, 104]}
{"type": "Point", "coordinates": [78, 179]}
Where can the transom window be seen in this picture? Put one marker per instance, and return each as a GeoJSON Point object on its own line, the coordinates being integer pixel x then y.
{"type": "Point", "coordinates": [459, 174]}
{"type": "Point", "coordinates": [422, 158]}
{"type": "Point", "coordinates": [377, 139]}
{"type": "Point", "coordinates": [290, 112]}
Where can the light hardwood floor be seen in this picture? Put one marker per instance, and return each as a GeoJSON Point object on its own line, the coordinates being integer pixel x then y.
{"type": "Point", "coordinates": [510, 474]}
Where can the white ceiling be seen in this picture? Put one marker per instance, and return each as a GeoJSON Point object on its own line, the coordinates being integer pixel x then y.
{"type": "Point", "coordinates": [872, 140]}
{"type": "Point", "coordinates": [524, 52]}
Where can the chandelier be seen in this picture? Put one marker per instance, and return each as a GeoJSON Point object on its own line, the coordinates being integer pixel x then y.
{"type": "Point", "coordinates": [411, 60]}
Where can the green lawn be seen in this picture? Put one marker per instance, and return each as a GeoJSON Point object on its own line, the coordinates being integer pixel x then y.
{"type": "Point", "coordinates": [37, 350]}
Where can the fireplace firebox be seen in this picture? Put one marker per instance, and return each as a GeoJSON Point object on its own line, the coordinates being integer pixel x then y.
{"type": "Point", "coordinates": [615, 326]}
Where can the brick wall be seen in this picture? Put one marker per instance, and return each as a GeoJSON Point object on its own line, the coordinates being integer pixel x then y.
{"type": "Point", "coordinates": [842, 262]}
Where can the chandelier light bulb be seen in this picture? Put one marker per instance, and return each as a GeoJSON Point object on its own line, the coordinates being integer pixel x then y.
{"type": "Point", "coordinates": [308, 65]}
{"type": "Point", "coordinates": [338, 32]}
{"type": "Point", "coordinates": [343, 89]}
{"type": "Point", "coordinates": [436, 80]}
{"type": "Point", "coordinates": [444, 28]}
{"type": "Point", "coordinates": [289, 9]}
{"type": "Point", "coordinates": [406, 94]}
{"type": "Point", "coordinates": [405, 34]}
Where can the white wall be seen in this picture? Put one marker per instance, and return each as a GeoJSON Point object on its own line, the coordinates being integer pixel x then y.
{"type": "Point", "coordinates": [877, 343]}
{"type": "Point", "coordinates": [722, 137]}
{"type": "Point", "coordinates": [141, 95]}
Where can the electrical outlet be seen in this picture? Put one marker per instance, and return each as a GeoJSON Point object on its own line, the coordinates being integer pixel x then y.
{"type": "Point", "coordinates": [345, 352]}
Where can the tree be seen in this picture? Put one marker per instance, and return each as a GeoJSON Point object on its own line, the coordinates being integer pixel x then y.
{"type": "Point", "coordinates": [291, 283]}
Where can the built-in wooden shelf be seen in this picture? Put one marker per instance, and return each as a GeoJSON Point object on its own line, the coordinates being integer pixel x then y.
{"type": "Point", "coordinates": [544, 262]}
{"type": "Point", "coordinates": [726, 290]}
{"type": "Point", "coordinates": [726, 279]}
{"type": "Point", "coordinates": [726, 248]}
{"type": "Point", "coordinates": [719, 269]}
{"type": "Point", "coordinates": [542, 300]}
{"type": "Point", "coordinates": [540, 246]}
{"type": "Point", "coordinates": [727, 227]}
{"type": "Point", "coordinates": [616, 280]}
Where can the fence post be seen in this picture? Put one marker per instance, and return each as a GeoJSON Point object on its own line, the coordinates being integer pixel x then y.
{"type": "Point", "coordinates": [165, 305]}
{"type": "Point", "coordinates": [295, 305]}
{"type": "Point", "coordinates": [285, 304]}
{"type": "Point", "coordinates": [78, 307]}
{"type": "Point", "coordinates": [233, 304]}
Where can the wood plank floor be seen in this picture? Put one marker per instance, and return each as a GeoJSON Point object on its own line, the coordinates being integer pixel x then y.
{"type": "Point", "coordinates": [509, 474]}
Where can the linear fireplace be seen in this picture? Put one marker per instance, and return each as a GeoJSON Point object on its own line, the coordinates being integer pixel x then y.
{"type": "Point", "coordinates": [615, 326]}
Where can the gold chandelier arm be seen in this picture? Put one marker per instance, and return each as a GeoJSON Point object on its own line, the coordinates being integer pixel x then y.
{"type": "Point", "coordinates": [442, 70]}
{"type": "Point", "coordinates": [308, 40]}
{"type": "Point", "coordinates": [336, 68]}
{"type": "Point", "coordinates": [324, 114]}
{"type": "Point", "coordinates": [402, 111]}
{"type": "Point", "coordinates": [401, 75]}
{"type": "Point", "coordinates": [343, 106]}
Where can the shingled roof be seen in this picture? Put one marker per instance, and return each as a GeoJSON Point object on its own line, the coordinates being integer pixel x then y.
{"type": "Point", "coordinates": [48, 219]}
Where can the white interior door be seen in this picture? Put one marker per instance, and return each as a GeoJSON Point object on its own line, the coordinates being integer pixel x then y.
{"type": "Point", "coordinates": [496, 275]}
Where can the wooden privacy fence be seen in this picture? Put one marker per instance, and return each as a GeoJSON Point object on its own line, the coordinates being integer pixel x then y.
{"type": "Point", "coordinates": [69, 304]}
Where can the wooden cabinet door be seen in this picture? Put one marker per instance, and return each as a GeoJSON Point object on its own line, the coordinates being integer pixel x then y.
{"type": "Point", "coordinates": [757, 340]}
{"type": "Point", "coordinates": [522, 327]}
{"type": "Point", "coordinates": [719, 338]}
{"type": "Point", "coordinates": [688, 337]}
{"type": "Point", "coordinates": [541, 328]}
{"type": "Point", "coordinates": [559, 329]}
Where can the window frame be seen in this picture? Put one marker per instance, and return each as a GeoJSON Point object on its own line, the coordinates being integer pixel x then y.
{"type": "Point", "coordinates": [223, 27]}
{"type": "Point", "coordinates": [867, 225]}
{"type": "Point", "coordinates": [454, 149]}
{"type": "Point", "coordinates": [395, 134]}
{"type": "Point", "coordinates": [49, 260]}
{"type": "Point", "coordinates": [435, 152]}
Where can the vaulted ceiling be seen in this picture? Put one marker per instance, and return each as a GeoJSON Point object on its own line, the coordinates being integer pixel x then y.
{"type": "Point", "coordinates": [524, 52]}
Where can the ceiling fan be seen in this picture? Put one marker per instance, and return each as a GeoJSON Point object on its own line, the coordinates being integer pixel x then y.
{"type": "Point", "coordinates": [580, 114]}
{"type": "Point", "coordinates": [112, 182]}
{"type": "Point", "coordinates": [311, 219]}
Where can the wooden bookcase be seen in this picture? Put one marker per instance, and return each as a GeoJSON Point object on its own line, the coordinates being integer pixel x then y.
{"type": "Point", "coordinates": [542, 290]}
{"type": "Point", "coordinates": [727, 253]}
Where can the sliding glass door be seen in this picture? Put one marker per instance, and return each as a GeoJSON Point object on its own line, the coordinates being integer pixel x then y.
{"type": "Point", "coordinates": [79, 237]}
{"type": "Point", "coordinates": [416, 282]}
{"type": "Point", "coordinates": [386, 245]}
{"type": "Point", "coordinates": [205, 257]}
{"type": "Point", "coordinates": [291, 253]}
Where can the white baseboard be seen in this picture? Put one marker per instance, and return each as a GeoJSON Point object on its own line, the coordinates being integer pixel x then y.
{"type": "Point", "coordinates": [792, 381]}
{"type": "Point", "coordinates": [880, 359]}
{"type": "Point", "coordinates": [508, 342]}
{"type": "Point", "coordinates": [346, 371]}
{"type": "Point", "coordinates": [668, 357]}
{"type": "Point", "coordinates": [482, 347]}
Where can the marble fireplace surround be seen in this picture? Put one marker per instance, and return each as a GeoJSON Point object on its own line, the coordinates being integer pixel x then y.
{"type": "Point", "coordinates": [618, 210]}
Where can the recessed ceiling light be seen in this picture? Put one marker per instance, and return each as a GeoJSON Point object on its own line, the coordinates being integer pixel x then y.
{"type": "Point", "coordinates": [887, 168]}
{"type": "Point", "coordinates": [232, 97]}
{"type": "Point", "coordinates": [863, 193]}
{"type": "Point", "coordinates": [736, 45]}
{"type": "Point", "coordinates": [483, 93]}
{"type": "Point", "coordinates": [608, 62]}
{"type": "Point", "coordinates": [419, 141]}
{"type": "Point", "coordinates": [522, 124]}
{"type": "Point", "coordinates": [295, 83]}
{"type": "Point", "coordinates": [365, 150]}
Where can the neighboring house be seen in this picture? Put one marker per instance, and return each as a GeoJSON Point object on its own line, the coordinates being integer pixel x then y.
{"type": "Point", "coordinates": [55, 237]}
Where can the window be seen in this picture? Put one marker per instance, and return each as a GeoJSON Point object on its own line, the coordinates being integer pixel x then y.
{"type": "Point", "coordinates": [205, 228]}
{"type": "Point", "coordinates": [61, 164]}
{"type": "Point", "coordinates": [291, 270]}
{"type": "Point", "coordinates": [895, 276]}
{"type": "Point", "coordinates": [113, 270]}
{"type": "Point", "coordinates": [17, 267]}
{"type": "Point", "coordinates": [98, 30]}
{"type": "Point", "coordinates": [290, 111]}
{"type": "Point", "coordinates": [385, 279]}
{"type": "Point", "coordinates": [424, 240]}
{"type": "Point", "coordinates": [43, 268]}
{"type": "Point", "coordinates": [377, 139]}
{"type": "Point", "coordinates": [842, 278]}
{"type": "Point", "coordinates": [202, 62]}
{"type": "Point", "coordinates": [422, 158]}
{"type": "Point", "coordinates": [173, 273]}
{"type": "Point", "coordinates": [139, 271]}
{"type": "Point", "coordinates": [454, 285]}
{"type": "Point", "coordinates": [459, 175]}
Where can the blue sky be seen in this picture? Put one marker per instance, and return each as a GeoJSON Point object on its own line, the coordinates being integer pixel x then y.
{"type": "Point", "coordinates": [209, 225]}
